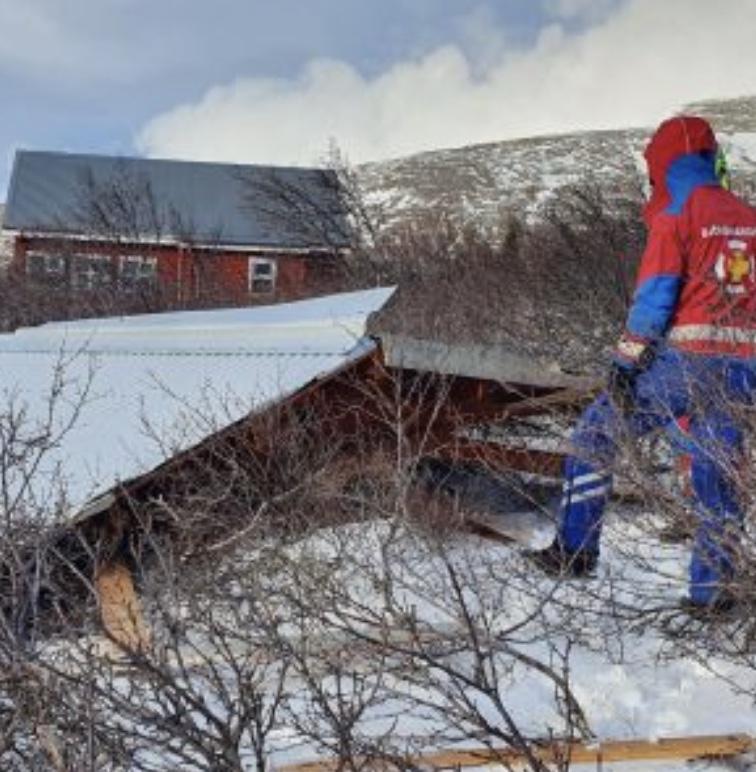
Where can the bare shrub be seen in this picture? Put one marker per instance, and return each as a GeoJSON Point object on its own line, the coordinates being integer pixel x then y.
{"type": "Point", "coordinates": [309, 592]}
{"type": "Point", "coordinates": [557, 288]}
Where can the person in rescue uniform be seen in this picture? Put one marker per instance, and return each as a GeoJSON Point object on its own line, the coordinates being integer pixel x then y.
{"type": "Point", "coordinates": [688, 349]}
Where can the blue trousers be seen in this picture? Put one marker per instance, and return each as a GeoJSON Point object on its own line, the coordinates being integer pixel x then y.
{"type": "Point", "coordinates": [709, 390]}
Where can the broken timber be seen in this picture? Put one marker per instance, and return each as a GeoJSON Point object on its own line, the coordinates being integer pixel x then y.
{"type": "Point", "coordinates": [378, 396]}
{"type": "Point", "coordinates": [669, 749]}
{"type": "Point", "coordinates": [120, 609]}
{"type": "Point", "coordinates": [401, 392]}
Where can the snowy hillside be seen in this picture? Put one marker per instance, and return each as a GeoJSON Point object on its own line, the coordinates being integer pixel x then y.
{"type": "Point", "coordinates": [479, 183]}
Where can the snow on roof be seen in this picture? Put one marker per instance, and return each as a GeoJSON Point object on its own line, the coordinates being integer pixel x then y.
{"type": "Point", "coordinates": [142, 388]}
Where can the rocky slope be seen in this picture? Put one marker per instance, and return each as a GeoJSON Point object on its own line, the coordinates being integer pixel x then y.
{"type": "Point", "coordinates": [480, 183]}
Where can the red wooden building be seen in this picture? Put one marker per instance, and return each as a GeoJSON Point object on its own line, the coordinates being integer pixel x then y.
{"type": "Point", "coordinates": [188, 230]}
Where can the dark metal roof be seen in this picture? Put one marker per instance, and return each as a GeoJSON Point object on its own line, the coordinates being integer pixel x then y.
{"type": "Point", "coordinates": [160, 200]}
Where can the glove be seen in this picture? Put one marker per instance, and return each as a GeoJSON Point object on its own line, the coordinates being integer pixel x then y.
{"type": "Point", "coordinates": [621, 385]}
{"type": "Point", "coordinates": [631, 357]}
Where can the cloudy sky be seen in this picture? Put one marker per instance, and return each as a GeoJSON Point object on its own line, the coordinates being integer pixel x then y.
{"type": "Point", "coordinates": [277, 81]}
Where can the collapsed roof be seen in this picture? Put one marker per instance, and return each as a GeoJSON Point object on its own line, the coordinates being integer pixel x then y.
{"type": "Point", "coordinates": [117, 396]}
{"type": "Point", "coordinates": [183, 426]}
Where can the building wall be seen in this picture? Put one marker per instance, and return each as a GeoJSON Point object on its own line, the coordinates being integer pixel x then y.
{"type": "Point", "coordinates": [189, 276]}
{"type": "Point", "coordinates": [6, 250]}
{"type": "Point", "coordinates": [6, 243]}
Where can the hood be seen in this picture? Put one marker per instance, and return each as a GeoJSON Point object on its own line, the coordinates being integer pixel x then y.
{"type": "Point", "coordinates": [685, 135]}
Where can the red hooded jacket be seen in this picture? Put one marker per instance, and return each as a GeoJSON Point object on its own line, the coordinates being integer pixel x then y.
{"type": "Point", "coordinates": [696, 285]}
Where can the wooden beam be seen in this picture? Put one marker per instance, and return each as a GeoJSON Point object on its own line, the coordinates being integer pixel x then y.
{"type": "Point", "coordinates": [554, 402]}
{"type": "Point", "coordinates": [502, 457]}
{"type": "Point", "coordinates": [669, 749]}
{"type": "Point", "coordinates": [120, 609]}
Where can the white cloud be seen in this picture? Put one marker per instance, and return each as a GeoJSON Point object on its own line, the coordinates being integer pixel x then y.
{"type": "Point", "coordinates": [633, 68]}
{"type": "Point", "coordinates": [482, 39]}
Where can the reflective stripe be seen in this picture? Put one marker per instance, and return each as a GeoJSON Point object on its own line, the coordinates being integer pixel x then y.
{"type": "Point", "coordinates": [713, 332]}
{"type": "Point", "coordinates": [576, 482]}
{"type": "Point", "coordinates": [584, 478]}
{"type": "Point", "coordinates": [585, 496]}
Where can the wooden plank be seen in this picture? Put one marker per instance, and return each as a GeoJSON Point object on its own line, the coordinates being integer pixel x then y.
{"type": "Point", "coordinates": [556, 401]}
{"type": "Point", "coordinates": [120, 609]}
{"type": "Point", "coordinates": [668, 749]}
{"type": "Point", "coordinates": [498, 456]}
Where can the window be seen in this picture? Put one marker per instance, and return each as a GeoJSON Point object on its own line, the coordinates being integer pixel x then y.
{"type": "Point", "coordinates": [91, 272]}
{"type": "Point", "coordinates": [137, 272]}
{"type": "Point", "coordinates": [262, 276]}
{"type": "Point", "coordinates": [42, 265]}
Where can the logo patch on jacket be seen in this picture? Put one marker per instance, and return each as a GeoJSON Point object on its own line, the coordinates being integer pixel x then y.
{"type": "Point", "coordinates": [736, 268]}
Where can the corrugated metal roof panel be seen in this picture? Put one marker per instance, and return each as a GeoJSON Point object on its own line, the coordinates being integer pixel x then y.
{"type": "Point", "coordinates": [132, 391]}
{"type": "Point", "coordinates": [163, 200]}
{"type": "Point", "coordinates": [487, 361]}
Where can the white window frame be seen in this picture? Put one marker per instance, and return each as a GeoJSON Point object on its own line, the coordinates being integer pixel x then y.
{"type": "Point", "coordinates": [141, 278]}
{"type": "Point", "coordinates": [253, 276]}
{"type": "Point", "coordinates": [54, 266]}
{"type": "Point", "coordinates": [6, 247]}
{"type": "Point", "coordinates": [88, 284]}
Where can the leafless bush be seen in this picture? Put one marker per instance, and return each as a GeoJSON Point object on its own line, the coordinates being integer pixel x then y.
{"type": "Point", "coordinates": [268, 633]}
{"type": "Point", "coordinates": [27, 302]}
{"type": "Point", "coordinates": [557, 289]}
{"type": "Point", "coordinates": [372, 642]}
{"type": "Point", "coordinates": [309, 592]}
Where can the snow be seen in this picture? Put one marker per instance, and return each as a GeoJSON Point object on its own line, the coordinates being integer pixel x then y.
{"type": "Point", "coordinates": [516, 175]}
{"type": "Point", "coordinates": [147, 386]}
{"type": "Point", "coordinates": [631, 684]}
{"type": "Point", "coordinates": [521, 175]}
{"type": "Point", "coordinates": [741, 149]}
{"type": "Point", "coordinates": [195, 371]}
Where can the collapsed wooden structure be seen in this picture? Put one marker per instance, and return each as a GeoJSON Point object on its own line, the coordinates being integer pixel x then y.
{"type": "Point", "coordinates": [394, 395]}
{"type": "Point", "coordinates": [431, 400]}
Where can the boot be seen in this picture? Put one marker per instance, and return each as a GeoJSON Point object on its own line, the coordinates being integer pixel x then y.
{"type": "Point", "coordinates": [723, 606]}
{"type": "Point", "coordinates": [557, 560]}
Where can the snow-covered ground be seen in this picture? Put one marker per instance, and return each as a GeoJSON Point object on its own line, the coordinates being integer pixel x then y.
{"type": "Point", "coordinates": [632, 676]}
{"type": "Point", "coordinates": [741, 149]}
{"type": "Point", "coordinates": [638, 667]}
{"type": "Point", "coordinates": [631, 680]}
{"type": "Point", "coordinates": [142, 387]}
